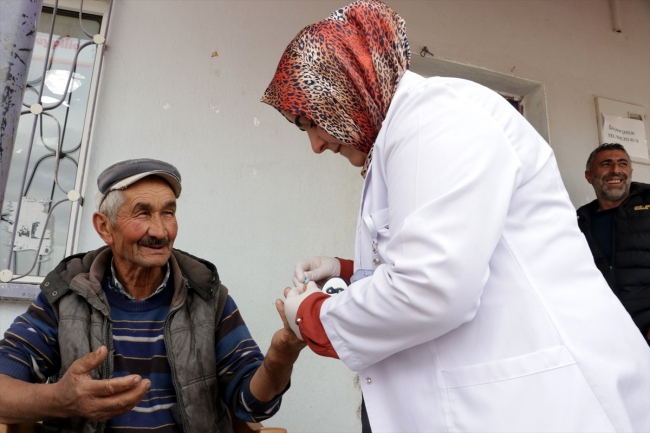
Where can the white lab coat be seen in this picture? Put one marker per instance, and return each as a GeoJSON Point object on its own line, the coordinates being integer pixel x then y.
{"type": "Point", "coordinates": [485, 312]}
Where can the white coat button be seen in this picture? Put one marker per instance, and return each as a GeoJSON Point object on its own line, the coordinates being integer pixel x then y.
{"type": "Point", "coordinates": [368, 380]}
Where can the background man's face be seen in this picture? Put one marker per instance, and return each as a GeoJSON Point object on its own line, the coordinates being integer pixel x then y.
{"type": "Point", "coordinates": [146, 227]}
{"type": "Point", "coordinates": [610, 175]}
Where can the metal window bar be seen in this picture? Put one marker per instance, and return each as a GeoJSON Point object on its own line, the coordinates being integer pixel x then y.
{"type": "Point", "coordinates": [39, 110]}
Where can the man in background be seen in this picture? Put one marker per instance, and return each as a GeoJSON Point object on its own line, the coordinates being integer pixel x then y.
{"type": "Point", "coordinates": [617, 228]}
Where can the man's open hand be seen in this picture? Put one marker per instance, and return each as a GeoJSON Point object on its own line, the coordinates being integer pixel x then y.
{"type": "Point", "coordinates": [99, 400]}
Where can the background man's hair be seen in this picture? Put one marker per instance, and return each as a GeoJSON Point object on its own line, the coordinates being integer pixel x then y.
{"type": "Point", "coordinates": [602, 147]}
{"type": "Point", "coordinates": [111, 204]}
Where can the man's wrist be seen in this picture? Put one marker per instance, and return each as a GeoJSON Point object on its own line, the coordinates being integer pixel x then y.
{"type": "Point", "coordinates": [280, 359]}
{"type": "Point", "coordinates": [30, 402]}
{"type": "Point", "coordinates": [272, 377]}
{"type": "Point", "coordinates": [59, 406]}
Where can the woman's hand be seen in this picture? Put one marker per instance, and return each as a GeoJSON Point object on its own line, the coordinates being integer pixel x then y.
{"type": "Point", "coordinates": [294, 297]}
{"type": "Point", "coordinates": [318, 269]}
{"type": "Point", "coordinates": [286, 339]}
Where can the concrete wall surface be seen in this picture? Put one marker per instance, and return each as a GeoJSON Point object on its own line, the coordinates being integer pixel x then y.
{"type": "Point", "coordinates": [256, 199]}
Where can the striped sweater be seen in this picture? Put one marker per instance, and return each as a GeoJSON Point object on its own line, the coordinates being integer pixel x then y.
{"type": "Point", "coordinates": [30, 353]}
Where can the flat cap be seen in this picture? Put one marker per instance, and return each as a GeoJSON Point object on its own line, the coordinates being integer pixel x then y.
{"type": "Point", "coordinates": [124, 173]}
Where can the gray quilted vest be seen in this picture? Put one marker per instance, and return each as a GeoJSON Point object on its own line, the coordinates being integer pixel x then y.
{"type": "Point", "coordinates": [74, 290]}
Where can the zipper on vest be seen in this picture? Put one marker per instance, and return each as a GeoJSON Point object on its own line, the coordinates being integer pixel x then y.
{"type": "Point", "coordinates": [102, 424]}
{"type": "Point", "coordinates": [170, 358]}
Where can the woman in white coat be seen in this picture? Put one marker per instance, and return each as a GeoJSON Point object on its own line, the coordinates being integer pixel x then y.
{"type": "Point", "coordinates": [476, 305]}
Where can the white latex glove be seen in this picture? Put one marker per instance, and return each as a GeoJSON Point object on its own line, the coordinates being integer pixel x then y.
{"type": "Point", "coordinates": [294, 298]}
{"type": "Point", "coordinates": [317, 269]}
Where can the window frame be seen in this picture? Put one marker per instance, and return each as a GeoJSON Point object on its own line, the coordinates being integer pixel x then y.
{"type": "Point", "coordinates": [26, 287]}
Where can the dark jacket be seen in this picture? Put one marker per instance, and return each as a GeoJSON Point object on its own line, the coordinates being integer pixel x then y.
{"type": "Point", "coordinates": [628, 274]}
{"type": "Point", "coordinates": [74, 290]}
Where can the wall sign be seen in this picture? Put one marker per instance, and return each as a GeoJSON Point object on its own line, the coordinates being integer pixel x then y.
{"type": "Point", "coordinates": [628, 132]}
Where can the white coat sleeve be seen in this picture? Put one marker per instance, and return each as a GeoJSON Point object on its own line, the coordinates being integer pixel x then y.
{"type": "Point", "coordinates": [450, 173]}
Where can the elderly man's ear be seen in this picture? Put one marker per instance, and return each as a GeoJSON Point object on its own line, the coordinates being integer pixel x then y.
{"type": "Point", "coordinates": [103, 227]}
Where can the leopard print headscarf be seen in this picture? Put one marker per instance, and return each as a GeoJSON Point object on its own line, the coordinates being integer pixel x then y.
{"type": "Point", "coordinates": [342, 72]}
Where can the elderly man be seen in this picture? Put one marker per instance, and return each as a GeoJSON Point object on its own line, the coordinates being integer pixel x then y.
{"type": "Point", "coordinates": [617, 228]}
{"type": "Point", "coordinates": [137, 336]}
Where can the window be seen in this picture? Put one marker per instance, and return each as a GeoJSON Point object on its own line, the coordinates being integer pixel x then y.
{"type": "Point", "coordinates": [514, 100]}
{"type": "Point", "coordinates": [50, 149]}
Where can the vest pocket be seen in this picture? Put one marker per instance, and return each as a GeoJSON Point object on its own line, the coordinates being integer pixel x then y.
{"type": "Point", "coordinates": [540, 391]}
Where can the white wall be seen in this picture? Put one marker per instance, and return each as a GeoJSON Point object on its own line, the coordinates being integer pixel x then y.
{"type": "Point", "coordinates": [256, 199]}
{"type": "Point", "coordinates": [567, 45]}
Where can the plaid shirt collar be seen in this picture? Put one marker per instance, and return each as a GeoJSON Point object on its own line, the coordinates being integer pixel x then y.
{"type": "Point", "coordinates": [117, 287]}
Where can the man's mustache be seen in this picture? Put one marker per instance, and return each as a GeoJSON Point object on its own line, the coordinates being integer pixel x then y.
{"type": "Point", "coordinates": [148, 241]}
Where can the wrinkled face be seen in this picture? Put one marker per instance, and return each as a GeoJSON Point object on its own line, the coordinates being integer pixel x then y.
{"type": "Point", "coordinates": [610, 175]}
{"type": "Point", "coordinates": [322, 141]}
{"type": "Point", "coordinates": [145, 227]}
